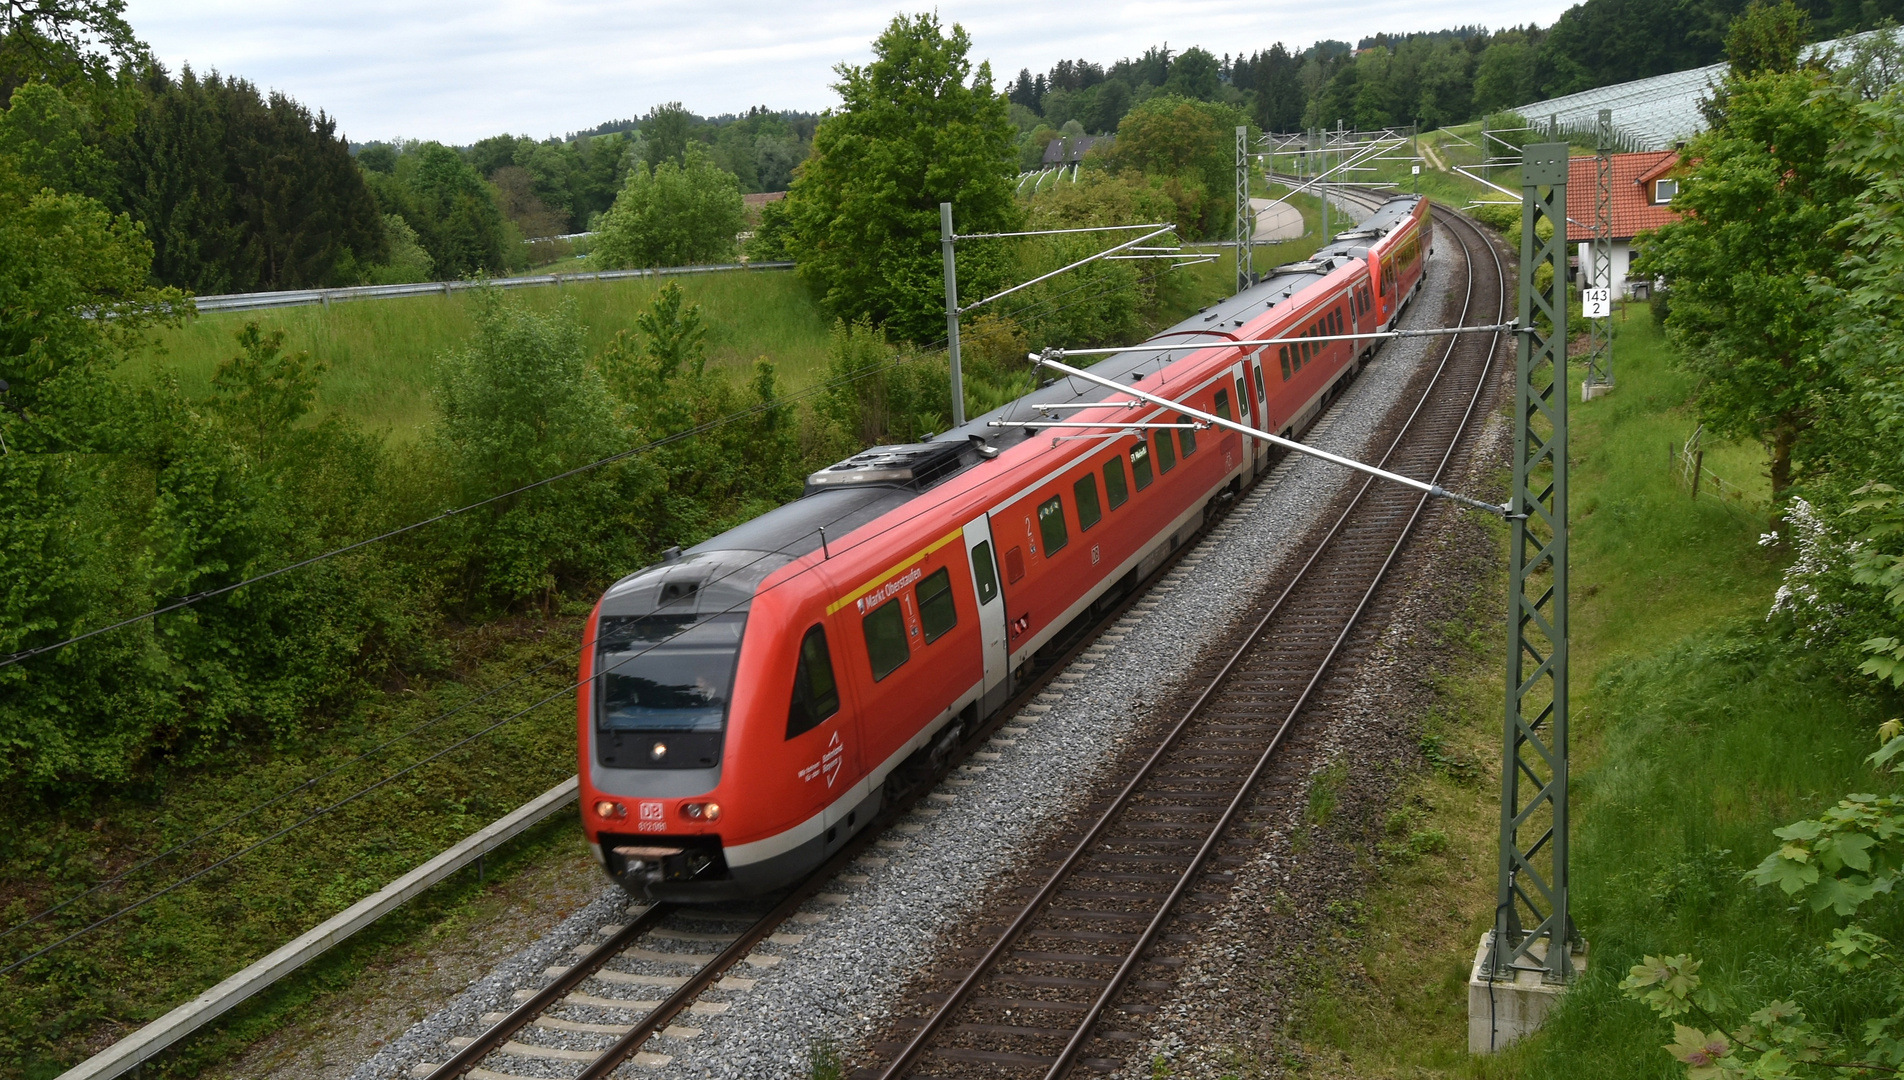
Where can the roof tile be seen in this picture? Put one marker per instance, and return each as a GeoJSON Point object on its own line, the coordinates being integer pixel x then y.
{"type": "Point", "coordinates": [1633, 213]}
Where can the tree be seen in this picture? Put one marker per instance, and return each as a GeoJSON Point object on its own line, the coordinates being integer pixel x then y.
{"type": "Point", "coordinates": [674, 215]}
{"type": "Point", "coordinates": [46, 136]}
{"type": "Point", "coordinates": [1767, 37]}
{"type": "Point", "coordinates": [665, 134]}
{"type": "Point", "coordinates": [1760, 201]}
{"type": "Point", "coordinates": [1274, 77]}
{"type": "Point", "coordinates": [451, 209]}
{"type": "Point", "coordinates": [240, 192]}
{"type": "Point", "coordinates": [1504, 77]}
{"type": "Point", "coordinates": [1189, 145]}
{"type": "Point", "coordinates": [1193, 75]}
{"type": "Point", "coordinates": [65, 42]}
{"type": "Point", "coordinates": [918, 126]}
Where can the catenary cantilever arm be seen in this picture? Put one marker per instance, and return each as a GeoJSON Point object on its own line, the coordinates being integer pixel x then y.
{"type": "Point", "coordinates": [1046, 360]}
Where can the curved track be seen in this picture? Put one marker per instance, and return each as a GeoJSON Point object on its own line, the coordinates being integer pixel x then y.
{"type": "Point", "coordinates": [1160, 830]}
{"type": "Point", "coordinates": [1048, 993]}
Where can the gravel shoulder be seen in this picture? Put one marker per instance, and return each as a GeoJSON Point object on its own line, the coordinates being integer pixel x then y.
{"type": "Point", "coordinates": [852, 952]}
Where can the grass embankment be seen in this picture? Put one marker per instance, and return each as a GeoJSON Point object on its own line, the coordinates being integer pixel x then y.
{"type": "Point", "coordinates": [137, 968]}
{"type": "Point", "coordinates": [380, 353]}
{"type": "Point", "coordinates": [1694, 737]}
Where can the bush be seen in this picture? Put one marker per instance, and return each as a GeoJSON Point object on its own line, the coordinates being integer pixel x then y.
{"type": "Point", "coordinates": [408, 261]}
{"type": "Point", "coordinates": [675, 214]}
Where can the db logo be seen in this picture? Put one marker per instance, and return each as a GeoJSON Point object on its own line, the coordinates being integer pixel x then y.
{"type": "Point", "coordinates": [653, 818]}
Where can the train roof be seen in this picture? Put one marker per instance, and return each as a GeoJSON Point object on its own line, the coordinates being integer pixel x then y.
{"type": "Point", "coordinates": [722, 573]}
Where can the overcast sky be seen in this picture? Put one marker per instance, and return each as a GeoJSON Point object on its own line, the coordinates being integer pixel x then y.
{"type": "Point", "coordinates": [458, 70]}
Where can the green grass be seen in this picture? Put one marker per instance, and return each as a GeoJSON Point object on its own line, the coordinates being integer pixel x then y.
{"type": "Point", "coordinates": [133, 970]}
{"type": "Point", "coordinates": [1694, 737]}
{"type": "Point", "coordinates": [380, 353]}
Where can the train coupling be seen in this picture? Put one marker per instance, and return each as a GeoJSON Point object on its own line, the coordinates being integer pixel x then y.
{"type": "Point", "coordinates": [653, 865]}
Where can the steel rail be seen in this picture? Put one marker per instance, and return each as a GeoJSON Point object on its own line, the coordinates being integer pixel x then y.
{"type": "Point", "coordinates": [910, 1053]}
{"type": "Point", "coordinates": [1085, 1027]}
{"type": "Point", "coordinates": [525, 1014]}
{"type": "Point", "coordinates": [658, 1017]}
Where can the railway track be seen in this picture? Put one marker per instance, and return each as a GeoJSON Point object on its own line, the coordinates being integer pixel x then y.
{"type": "Point", "coordinates": [642, 988]}
{"type": "Point", "coordinates": [684, 953]}
{"type": "Point", "coordinates": [1051, 990]}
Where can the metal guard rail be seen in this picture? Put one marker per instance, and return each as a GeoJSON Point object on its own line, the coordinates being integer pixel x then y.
{"type": "Point", "coordinates": [128, 1053]}
{"type": "Point", "coordinates": [260, 301]}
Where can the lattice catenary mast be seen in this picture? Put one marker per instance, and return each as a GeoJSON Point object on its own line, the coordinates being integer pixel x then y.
{"type": "Point", "coordinates": [1533, 930]}
{"type": "Point", "coordinates": [1600, 327]}
{"type": "Point", "coordinates": [1245, 220]}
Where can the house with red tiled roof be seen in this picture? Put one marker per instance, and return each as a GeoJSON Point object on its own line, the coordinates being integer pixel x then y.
{"type": "Point", "coordinates": [1643, 190]}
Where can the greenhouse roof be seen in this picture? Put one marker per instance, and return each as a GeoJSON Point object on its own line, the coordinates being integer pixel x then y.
{"type": "Point", "coordinates": [1648, 114]}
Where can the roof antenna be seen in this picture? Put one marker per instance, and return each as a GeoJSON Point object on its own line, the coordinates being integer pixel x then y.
{"type": "Point", "coordinates": [824, 553]}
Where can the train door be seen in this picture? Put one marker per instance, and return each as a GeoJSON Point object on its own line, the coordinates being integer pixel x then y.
{"type": "Point", "coordinates": [980, 551]}
{"type": "Point", "coordinates": [1261, 411]}
{"type": "Point", "coordinates": [1245, 415]}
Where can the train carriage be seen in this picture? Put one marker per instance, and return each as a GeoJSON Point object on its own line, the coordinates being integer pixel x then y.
{"type": "Point", "coordinates": [746, 706]}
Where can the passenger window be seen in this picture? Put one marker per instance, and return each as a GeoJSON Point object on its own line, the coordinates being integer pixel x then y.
{"type": "Point", "coordinates": [984, 574]}
{"type": "Point", "coordinates": [936, 612]}
{"type": "Point", "coordinates": [1166, 453]}
{"type": "Point", "coordinates": [886, 645]}
{"type": "Point", "coordinates": [1114, 487]}
{"type": "Point", "coordinates": [1223, 404]}
{"type": "Point", "coordinates": [1262, 394]}
{"type": "Point", "coordinates": [1140, 464]}
{"type": "Point", "coordinates": [1051, 526]}
{"type": "Point", "coordinates": [1284, 353]}
{"type": "Point", "coordinates": [1188, 435]}
{"type": "Point", "coordinates": [1014, 565]}
{"type": "Point", "coordinates": [1089, 513]}
{"type": "Point", "coordinates": [1242, 396]}
{"type": "Point", "coordinates": [816, 695]}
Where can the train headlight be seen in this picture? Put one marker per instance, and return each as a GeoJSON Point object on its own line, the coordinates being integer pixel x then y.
{"type": "Point", "coordinates": [610, 810]}
{"type": "Point", "coordinates": [695, 811]}
{"type": "Point", "coordinates": [658, 751]}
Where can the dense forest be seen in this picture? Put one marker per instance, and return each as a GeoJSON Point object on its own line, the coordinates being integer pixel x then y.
{"type": "Point", "coordinates": [239, 189]}
{"type": "Point", "coordinates": [1431, 79]}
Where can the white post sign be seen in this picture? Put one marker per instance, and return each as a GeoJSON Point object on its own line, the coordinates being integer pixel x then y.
{"type": "Point", "coordinates": [1597, 303]}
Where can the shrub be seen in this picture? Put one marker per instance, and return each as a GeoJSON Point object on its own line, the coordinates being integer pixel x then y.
{"type": "Point", "coordinates": [673, 214]}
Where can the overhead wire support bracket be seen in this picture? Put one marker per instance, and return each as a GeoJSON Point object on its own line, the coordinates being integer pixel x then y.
{"type": "Point", "coordinates": [1056, 232]}
{"type": "Point", "coordinates": [1048, 359]}
{"type": "Point", "coordinates": [948, 250]}
{"type": "Point", "coordinates": [1106, 253]}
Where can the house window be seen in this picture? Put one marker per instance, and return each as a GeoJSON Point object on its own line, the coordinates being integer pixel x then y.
{"type": "Point", "coordinates": [1664, 190]}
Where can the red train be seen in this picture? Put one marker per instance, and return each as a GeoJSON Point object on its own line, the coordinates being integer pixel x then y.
{"type": "Point", "coordinates": [746, 706]}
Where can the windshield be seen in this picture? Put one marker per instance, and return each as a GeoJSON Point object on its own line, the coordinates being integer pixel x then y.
{"type": "Point", "coordinates": [666, 672]}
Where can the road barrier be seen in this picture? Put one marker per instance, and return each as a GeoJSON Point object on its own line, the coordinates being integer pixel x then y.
{"type": "Point", "coordinates": [127, 1054]}
{"type": "Point", "coordinates": [260, 301]}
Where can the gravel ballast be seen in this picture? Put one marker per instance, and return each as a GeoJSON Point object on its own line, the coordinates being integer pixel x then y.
{"type": "Point", "coordinates": [841, 962]}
